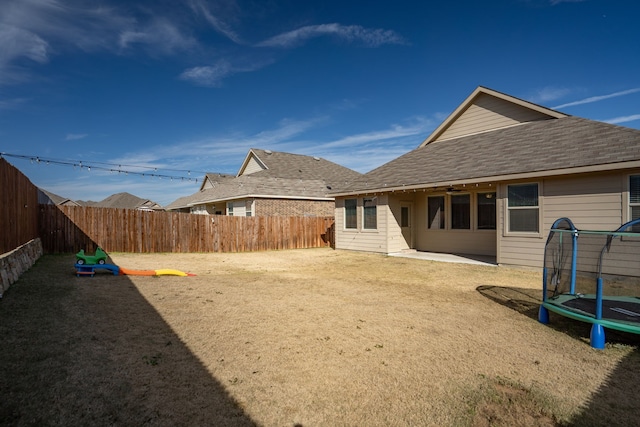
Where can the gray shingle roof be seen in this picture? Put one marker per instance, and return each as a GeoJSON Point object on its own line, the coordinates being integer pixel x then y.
{"type": "Point", "coordinates": [54, 198]}
{"type": "Point", "coordinates": [298, 166]}
{"type": "Point", "coordinates": [538, 146]}
{"type": "Point", "coordinates": [127, 201]}
{"type": "Point", "coordinates": [251, 185]}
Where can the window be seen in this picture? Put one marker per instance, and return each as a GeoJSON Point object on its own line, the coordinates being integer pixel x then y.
{"type": "Point", "coordinates": [404, 217]}
{"type": "Point", "coordinates": [461, 211]}
{"type": "Point", "coordinates": [236, 208]}
{"type": "Point", "coordinates": [486, 211]}
{"type": "Point", "coordinates": [350, 210]}
{"type": "Point", "coordinates": [523, 209]}
{"type": "Point", "coordinates": [436, 212]}
{"type": "Point", "coordinates": [634, 197]}
{"type": "Point", "coordinates": [370, 213]}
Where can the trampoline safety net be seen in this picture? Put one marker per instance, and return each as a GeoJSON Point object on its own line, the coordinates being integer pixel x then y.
{"type": "Point", "coordinates": [574, 260]}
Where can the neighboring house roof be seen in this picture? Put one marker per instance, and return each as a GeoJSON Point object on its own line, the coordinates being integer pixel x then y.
{"type": "Point", "coordinates": [556, 145]}
{"type": "Point", "coordinates": [272, 174]}
{"type": "Point", "coordinates": [127, 201]}
{"type": "Point", "coordinates": [211, 179]}
{"type": "Point", "coordinates": [267, 187]}
{"type": "Point", "coordinates": [274, 164]}
{"type": "Point", "coordinates": [47, 197]}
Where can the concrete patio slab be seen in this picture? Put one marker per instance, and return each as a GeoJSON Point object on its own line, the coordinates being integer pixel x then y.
{"type": "Point", "coordinates": [442, 257]}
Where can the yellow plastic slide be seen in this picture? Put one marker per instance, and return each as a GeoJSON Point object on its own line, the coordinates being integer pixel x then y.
{"type": "Point", "coordinates": [160, 272]}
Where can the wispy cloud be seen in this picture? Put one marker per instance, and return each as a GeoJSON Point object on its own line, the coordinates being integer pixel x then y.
{"type": "Point", "coordinates": [416, 130]}
{"type": "Point", "coordinates": [556, 2]}
{"type": "Point", "coordinates": [350, 33]}
{"type": "Point", "coordinates": [598, 98]}
{"type": "Point", "coordinates": [75, 136]}
{"type": "Point", "coordinates": [160, 34]}
{"type": "Point", "coordinates": [548, 94]}
{"type": "Point", "coordinates": [18, 44]}
{"type": "Point", "coordinates": [218, 24]}
{"type": "Point", "coordinates": [623, 119]}
{"type": "Point", "coordinates": [11, 104]}
{"type": "Point", "coordinates": [230, 149]}
{"type": "Point", "coordinates": [213, 75]}
{"type": "Point", "coordinates": [38, 29]}
{"type": "Point", "coordinates": [208, 75]}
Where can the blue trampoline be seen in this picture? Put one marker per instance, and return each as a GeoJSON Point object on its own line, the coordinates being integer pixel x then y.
{"type": "Point", "coordinates": [593, 276]}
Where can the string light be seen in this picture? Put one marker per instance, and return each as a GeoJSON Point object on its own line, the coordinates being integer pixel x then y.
{"type": "Point", "coordinates": [117, 167]}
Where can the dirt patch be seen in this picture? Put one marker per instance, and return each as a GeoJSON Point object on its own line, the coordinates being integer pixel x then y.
{"type": "Point", "coordinates": [305, 337]}
{"type": "Point", "coordinates": [506, 404]}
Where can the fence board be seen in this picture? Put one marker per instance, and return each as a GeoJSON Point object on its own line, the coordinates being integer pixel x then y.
{"type": "Point", "coordinates": [71, 228]}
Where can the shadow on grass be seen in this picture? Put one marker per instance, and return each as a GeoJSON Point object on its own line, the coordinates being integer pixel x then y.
{"type": "Point", "coordinates": [615, 403]}
{"type": "Point", "coordinates": [92, 351]}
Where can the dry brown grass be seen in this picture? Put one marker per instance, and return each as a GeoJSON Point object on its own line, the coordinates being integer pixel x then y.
{"type": "Point", "coordinates": [306, 337]}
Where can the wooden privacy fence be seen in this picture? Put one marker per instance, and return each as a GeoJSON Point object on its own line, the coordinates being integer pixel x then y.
{"type": "Point", "coordinates": [18, 208]}
{"type": "Point", "coordinates": [66, 229]}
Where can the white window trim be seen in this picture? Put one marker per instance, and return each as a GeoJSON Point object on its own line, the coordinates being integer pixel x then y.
{"type": "Point", "coordinates": [360, 212]}
{"type": "Point", "coordinates": [344, 216]}
{"type": "Point", "coordinates": [360, 216]}
{"type": "Point", "coordinates": [537, 234]}
{"type": "Point", "coordinates": [627, 197]}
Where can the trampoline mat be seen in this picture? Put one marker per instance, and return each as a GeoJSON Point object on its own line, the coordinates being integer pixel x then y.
{"type": "Point", "coordinates": [628, 311]}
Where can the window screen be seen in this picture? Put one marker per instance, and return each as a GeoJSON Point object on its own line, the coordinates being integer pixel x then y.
{"type": "Point", "coordinates": [461, 211]}
{"type": "Point", "coordinates": [370, 213]}
{"type": "Point", "coordinates": [487, 211]}
{"type": "Point", "coordinates": [634, 196]}
{"type": "Point", "coordinates": [350, 210]}
{"type": "Point", "coordinates": [436, 212]}
{"type": "Point", "coordinates": [523, 207]}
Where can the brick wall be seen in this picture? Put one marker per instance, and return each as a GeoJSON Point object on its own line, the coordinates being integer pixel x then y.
{"type": "Point", "coordinates": [284, 207]}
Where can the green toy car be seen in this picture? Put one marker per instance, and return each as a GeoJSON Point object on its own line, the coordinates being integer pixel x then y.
{"type": "Point", "coordinates": [100, 257]}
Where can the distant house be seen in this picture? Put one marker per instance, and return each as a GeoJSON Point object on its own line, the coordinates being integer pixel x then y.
{"type": "Point", "coordinates": [270, 183]}
{"type": "Point", "coordinates": [48, 198]}
{"type": "Point", "coordinates": [128, 201]}
{"type": "Point", "coordinates": [491, 180]}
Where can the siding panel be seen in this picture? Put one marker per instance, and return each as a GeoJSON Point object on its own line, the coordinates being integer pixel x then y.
{"type": "Point", "coordinates": [488, 113]}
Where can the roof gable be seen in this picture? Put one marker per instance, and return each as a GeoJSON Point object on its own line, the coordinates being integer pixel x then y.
{"type": "Point", "coordinates": [212, 179]}
{"type": "Point", "coordinates": [487, 110]}
{"type": "Point", "coordinates": [253, 163]}
{"type": "Point", "coordinates": [277, 164]}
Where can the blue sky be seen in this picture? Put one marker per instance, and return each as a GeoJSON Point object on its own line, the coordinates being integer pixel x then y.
{"type": "Point", "coordinates": [192, 85]}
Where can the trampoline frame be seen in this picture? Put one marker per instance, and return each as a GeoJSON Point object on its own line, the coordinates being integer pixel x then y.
{"type": "Point", "coordinates": [555, 304]}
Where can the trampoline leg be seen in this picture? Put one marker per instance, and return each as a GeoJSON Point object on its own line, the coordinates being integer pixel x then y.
{"type": "Point", "coordinates": [543, 315]}
{"type": "Point", "coordinates": [597, 336]}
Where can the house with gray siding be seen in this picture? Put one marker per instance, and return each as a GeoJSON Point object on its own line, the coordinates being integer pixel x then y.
{"type": "Point", "coordinates": [491, 180]}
